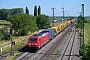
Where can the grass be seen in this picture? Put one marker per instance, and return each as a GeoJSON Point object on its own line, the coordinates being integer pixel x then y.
{"type": "Point", "coordinates": [87, 31]}
{"type": "Point", "coordinates": [6, 42]}
{"type": "Point", "coordinates": [4, 22]}
{"type": "Point", "coordinates": [13, 57]}
{"type": "Point", "coordinates": [16, 54]}
{"type": "Point", "coordinates": [16, 46]}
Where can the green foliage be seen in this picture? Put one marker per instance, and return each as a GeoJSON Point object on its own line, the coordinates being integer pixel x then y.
{"type": "Point", "coordinates": [77, 25]}
{"type": "Point", "coordinates": [35, 11]}
{"type": "Point", "coordinates": [1, 34]}
{"type": "Point", "coordinates": [3, 13]}
{"type": "Point", "coordinates": [27, 11]}
{"type": "Point", "coordinates": [4, 35]}
{"type": "Point", "coordinates": [43, 21]}
{"type": "Point", "coordinates": [87, 51]}
{"type": "Point", "coordinates": [85, 21]}
{"type": "Point", "coordinates": [14, 11]}
{"type": "Point", "coordinates": [22, 23]}
{"type": "Point", "coordinates": [79, 18]}
{"type": "Point", "coordinates": [81, 52]}
{"type": "Point", "coordinates": [80, 21]}
{"type": "Point", "coordinates": [39, 10]}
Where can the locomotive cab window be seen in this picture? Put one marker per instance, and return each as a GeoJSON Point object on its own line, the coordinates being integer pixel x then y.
{"type": "Point", "coordinates": [33, 39]}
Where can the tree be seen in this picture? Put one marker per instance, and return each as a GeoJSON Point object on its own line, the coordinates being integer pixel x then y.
{"type": "Point", "coordinates": [3, 14]}
{"type": "Point", "coordinates": [14, 11]}
{"type": "Point", "coordinates": [22, 23]}
{"type": "Point", "coordinates": [39, 10]}
{"type": "Point", "coordinates": [43, 21]}
{"type": "Point", "coordinates": [27, 11]}
{"type": "Point", "coordinates": [35, 11]}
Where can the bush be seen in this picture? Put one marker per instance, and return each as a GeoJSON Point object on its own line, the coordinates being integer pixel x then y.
{"type": "Point", "coordinates": [22, 23]}
{"type": "Point", "coordinates": [23, 32]}
{"type": "Point", "coordinates": [4, 35]}
{"type": "Point", "coordinates": [77, 25]}
{"type": "Point", "coordinates": [87, 51]}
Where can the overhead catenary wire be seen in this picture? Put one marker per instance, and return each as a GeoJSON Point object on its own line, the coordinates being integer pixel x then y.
{"type": "Point", "coordinates": [73, 8]}
{"type": "Point", "coordinates": [69, 10]}
{"type": "Point", "coordinates": [87, 10]}
{"type": "Point", "coordinates": [57, 13]}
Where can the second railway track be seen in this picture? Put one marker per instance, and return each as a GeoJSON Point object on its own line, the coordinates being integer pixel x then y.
{"type": "Point", "coordinates": [67, 51]}
{"type": "Point", "coordinates": [69, 46]}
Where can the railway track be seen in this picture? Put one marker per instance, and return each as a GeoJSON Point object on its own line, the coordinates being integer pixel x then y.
{"type": "Point", "coordinates": [48, 55]}
{"type": "Point", "coordinates": [45, 52]}
{"type": "Point", "coordinates": [67, 51]}
{"type": "Point", "coordinates": [26, 56]}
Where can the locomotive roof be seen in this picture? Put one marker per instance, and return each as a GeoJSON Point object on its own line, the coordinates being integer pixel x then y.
{"type": "Point", "coordinates": [40, 34]}
{"type": "Point", "coordinates": [49, 29]}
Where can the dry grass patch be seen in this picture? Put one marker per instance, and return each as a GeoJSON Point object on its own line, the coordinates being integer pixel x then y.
{"type": "Point", "coordinates": [87, 31]}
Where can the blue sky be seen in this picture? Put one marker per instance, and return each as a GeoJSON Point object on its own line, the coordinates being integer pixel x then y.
{"type": "Point", "coordinates": [46, 6]}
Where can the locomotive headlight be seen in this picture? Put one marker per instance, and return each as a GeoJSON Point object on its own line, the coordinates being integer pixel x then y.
{"type": "Point", "coordinates": [35, 43]}
{"type": "Point", "coordinates": [29, 43]}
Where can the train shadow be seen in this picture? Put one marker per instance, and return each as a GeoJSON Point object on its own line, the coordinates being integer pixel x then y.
{"type": "Point", "coordinates": [27, 49]}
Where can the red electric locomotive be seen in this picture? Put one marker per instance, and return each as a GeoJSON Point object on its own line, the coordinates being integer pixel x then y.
{"type": "Point", "coordinates": [37, 40]}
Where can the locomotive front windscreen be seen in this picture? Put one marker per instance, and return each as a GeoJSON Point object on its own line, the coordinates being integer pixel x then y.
{"type": "Point", "coordinates": [33, 39]}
